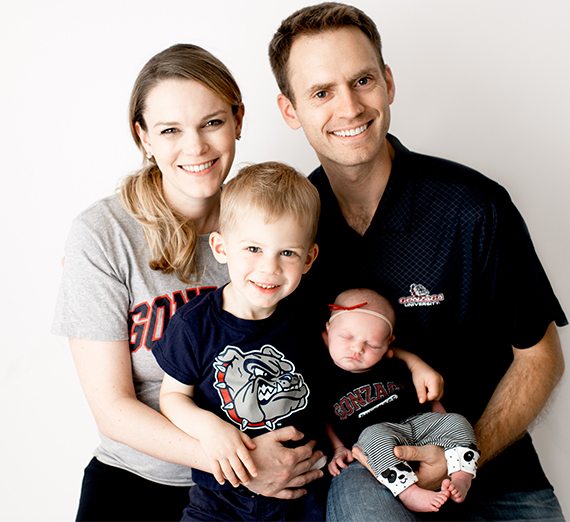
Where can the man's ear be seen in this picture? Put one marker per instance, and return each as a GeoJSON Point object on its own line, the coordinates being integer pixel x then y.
{"type": "Point", "coordinates": [311, 256]}
{"type": "Point", "coordinates": [218, 248]}
{"type": "Point", "coordinates": [288, 112]}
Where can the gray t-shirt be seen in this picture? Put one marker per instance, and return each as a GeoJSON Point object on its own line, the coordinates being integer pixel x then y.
{"type": "Point", "coordinates": [109, 293]}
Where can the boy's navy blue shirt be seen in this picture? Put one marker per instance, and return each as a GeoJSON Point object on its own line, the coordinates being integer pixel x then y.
{"type": "Point", "coordinates": [450, 251]}
{"type": "Point", "coordinates": [258, 375]}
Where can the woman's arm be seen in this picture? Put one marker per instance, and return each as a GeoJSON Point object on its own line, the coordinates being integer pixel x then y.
{"type": "Point", "coordinates": [104, 369]}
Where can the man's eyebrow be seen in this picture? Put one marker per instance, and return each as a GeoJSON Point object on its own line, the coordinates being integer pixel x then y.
{"type": "Point", "coordinates": [367, 71]}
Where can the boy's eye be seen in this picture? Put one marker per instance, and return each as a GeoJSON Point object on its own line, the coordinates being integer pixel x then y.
{"type": "Point", "coordinates": [254, 249]}
{"type": "Point", "coordinates": [287, 253]}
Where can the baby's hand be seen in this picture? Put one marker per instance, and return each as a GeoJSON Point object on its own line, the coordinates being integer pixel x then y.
{"type": "Point", "coordinates": [227, 450]}
{"type": "Point", "coordinates": [428, 382]}
{"type": "Point", "coordinates": [342, 456]}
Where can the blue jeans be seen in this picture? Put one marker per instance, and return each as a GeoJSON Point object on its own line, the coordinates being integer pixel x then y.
{"type": "Point", "coordinates": [355, 495]}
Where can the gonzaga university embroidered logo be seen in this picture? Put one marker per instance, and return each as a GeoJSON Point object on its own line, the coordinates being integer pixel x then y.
{"type": "Point", "coordinates": [259, 388]}
{"type": "Point", "coordinates": [420, 296]}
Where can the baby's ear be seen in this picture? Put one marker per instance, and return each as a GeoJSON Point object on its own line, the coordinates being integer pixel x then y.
{"type": "Point", "coordinates": [218, 248]}
{"type": "Point", "coordinates": [325, 335]}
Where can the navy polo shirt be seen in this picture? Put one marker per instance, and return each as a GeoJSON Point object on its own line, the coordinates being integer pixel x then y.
{"type": "Point", "coordinates": [451, 252]}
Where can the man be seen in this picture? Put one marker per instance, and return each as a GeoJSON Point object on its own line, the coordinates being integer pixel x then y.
{"type": "Point", "coordinates": [446, 246]}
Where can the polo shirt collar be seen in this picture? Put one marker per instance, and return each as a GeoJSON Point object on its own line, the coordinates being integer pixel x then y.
{"type": "Point", "coordinates": [395, 210]}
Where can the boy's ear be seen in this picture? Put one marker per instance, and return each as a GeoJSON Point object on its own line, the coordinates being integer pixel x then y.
{"type": "Point", "coordinates": [288, 112]}
{"type": "Point", "coordinates": [218, 248]}
{"type": "Point", "coordinates": [311, 256]}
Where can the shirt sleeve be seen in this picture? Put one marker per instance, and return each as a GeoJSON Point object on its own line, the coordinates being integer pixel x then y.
{"type": "Point", "coordinates": [174, 351]}
{"type": "Point", "coordinates": [523, 291]}
{"type": "Point", "coordinates": [93, 300]}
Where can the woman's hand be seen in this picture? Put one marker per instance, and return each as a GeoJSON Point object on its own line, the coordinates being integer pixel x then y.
{"type": "Point", "coordinates": [282, 472]}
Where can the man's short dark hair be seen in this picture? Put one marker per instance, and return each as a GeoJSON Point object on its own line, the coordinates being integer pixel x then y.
{"type": "Point", "coordinates": [313, 20]}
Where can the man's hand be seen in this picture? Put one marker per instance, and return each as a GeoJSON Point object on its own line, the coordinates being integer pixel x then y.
{"type": "Point", "coordinates": [433, 466]}
{"type": "Point", "coordinates": [281, 469]}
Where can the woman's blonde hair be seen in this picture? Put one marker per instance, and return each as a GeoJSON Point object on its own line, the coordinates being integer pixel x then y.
{"type": "Point", "coordinates": [172, 239]}
{"type": "Point", "coordinates": [274, 189]}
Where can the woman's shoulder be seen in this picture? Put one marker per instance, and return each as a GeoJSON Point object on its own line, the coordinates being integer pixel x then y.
{"type": "Point", "coordinates": [106, 209]}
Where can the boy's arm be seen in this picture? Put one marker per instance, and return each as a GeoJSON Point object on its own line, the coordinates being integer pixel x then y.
{"type": "Point", "coordinates": [225, 446]}
{"type": "Point", "coordinates": [428, 383]}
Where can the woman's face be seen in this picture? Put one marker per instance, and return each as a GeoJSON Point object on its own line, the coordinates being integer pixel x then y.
{"type": "Point", "coordinates": [191, 132]}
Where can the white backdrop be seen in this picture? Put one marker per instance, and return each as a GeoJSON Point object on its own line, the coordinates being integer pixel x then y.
{"type": "Point", "coordinates": [482, 82]}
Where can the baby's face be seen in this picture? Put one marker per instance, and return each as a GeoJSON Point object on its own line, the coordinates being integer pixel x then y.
{"type": "Point", "coordinates": [357, 341]}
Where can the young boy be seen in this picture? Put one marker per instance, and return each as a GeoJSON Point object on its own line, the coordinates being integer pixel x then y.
{"type": "Point", "coordinates": [244, 359]}
{"type": "Point", "coordinates": [376, 407]}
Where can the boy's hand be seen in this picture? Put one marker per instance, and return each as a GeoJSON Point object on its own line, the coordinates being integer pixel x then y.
{"type": "Point", "coordinates": [227, 450]}
{"type": "Point", "coordinates": [342, 456]}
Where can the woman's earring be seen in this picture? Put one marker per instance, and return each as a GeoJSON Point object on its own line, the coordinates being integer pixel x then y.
{"type": "Point", "coordinates": [148, 155]}
{"type": "Point", "coordinates": [238, 137]}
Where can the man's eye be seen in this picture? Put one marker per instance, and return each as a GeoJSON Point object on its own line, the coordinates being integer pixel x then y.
{"type": "Point", "coordinates": [363, 81]}
{"type": "Point", "coordinates": [254, 249]}
{"type": "Point", "coordinates": [321, 94]}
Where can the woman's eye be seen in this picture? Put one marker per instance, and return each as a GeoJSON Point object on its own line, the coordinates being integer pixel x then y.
{"type": "Point", "coordinates": [213, 123]}
{"type": "Point", "coordinates": [169, 131]}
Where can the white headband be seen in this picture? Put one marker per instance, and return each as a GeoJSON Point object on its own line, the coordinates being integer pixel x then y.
{"type": "Point", "coordinates": [343, 310]}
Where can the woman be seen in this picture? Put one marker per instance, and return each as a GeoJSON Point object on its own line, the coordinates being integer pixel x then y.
{"type": "Point", "coordinates": [132, 260]}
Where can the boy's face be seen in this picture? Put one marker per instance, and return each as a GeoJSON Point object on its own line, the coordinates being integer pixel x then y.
{"type": "Point", "coordinates": [265, 262]}
{"type": "Point", "coordinates": [357, 341]}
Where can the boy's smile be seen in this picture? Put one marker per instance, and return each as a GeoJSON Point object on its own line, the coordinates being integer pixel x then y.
{"type": "Point", "coordinates": [265, 262]}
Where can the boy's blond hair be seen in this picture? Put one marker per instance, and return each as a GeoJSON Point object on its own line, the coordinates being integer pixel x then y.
{"type": "Point", "coordinates": [275, 190]}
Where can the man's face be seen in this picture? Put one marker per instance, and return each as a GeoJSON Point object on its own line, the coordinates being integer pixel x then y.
{"type": "Point", "coordinates": [342, 99]}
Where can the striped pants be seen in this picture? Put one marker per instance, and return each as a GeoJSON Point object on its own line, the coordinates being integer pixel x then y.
{"type": "Point", "coordinates": [448, 430]}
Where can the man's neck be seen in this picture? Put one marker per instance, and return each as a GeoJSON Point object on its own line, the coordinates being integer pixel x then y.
{"type": "Point", "coordinates": [359, 189]}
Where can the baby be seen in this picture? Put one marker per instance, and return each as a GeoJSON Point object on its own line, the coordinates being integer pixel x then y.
{"type": "Point", "coordinates": [374, 405]}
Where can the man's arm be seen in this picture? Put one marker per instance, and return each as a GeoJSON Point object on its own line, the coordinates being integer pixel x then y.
{"type": "Point", "coordinates": [520, 396]}
{"type": "Point", "coordinates": [518, 399]}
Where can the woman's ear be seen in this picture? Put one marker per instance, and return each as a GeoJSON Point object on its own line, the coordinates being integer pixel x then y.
{"type": "Point", "coordinates": [239, 119]}
{"type": "Point", "coordinates": [218, 248]}
{"type": "Point", "coordinates": [144, 138]}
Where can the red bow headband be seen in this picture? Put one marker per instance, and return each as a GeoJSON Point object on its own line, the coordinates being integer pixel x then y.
{"type": "Point", "coordinates": [357, 308]}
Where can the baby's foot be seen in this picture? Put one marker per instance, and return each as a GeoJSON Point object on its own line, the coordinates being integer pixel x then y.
{"type": "Point", "coordinates": [423, 500]}
{"type": "Point", "coordinates": [458, 486]}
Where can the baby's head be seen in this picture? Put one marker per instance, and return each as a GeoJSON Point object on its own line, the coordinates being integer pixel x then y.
{"type": "Point", "coordinates": [268, 222]}
{"type": "Point", "coordinates": [360, 329]}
